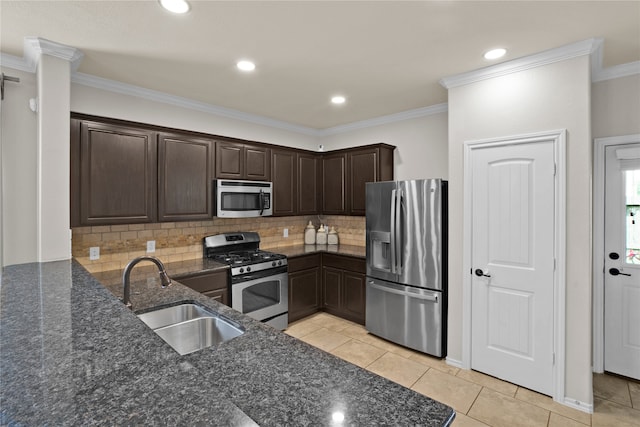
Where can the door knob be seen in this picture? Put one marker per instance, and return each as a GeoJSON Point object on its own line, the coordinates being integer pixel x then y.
{"type": "Point", "coordinates": [481, 273]}
{"type": "Point", "coordinates": [616, 272]}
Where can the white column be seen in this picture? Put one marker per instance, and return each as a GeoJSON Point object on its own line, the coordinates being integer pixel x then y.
{"type": "Point", "coordinates": [54, 91]}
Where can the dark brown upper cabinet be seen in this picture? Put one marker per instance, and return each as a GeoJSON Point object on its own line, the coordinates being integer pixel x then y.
{"type": "Point", "coordinates": [124, 172]}
{"type": "Point", "coordinates": [285, 179]}
{"type": "Point", "coordinates": [309, 183]}
{"type": "Point", "coordinates": [114, 174]}
{"type": "Point", "coordinates": [334, 183]}
{"type": "Point", "coordinates": [296, 182]}
{"type": "Point", "coordinates": [185, 174]}
{"type": "Point", "coordinates": [236, 160]}
{"type": "Point", "coordinates": [370, 164]}
{"type": "Point", "coordinates": [346, 172]}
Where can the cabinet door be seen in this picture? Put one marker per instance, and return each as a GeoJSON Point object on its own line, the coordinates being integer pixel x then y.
{"type": "Point", "coordinates": [229, 160]}
{"type": "Point", "coordinates": [309, 181]}
{"type": "Point", "coordinates": [354, 297]}
{"type": "Point", "coordinates": [185, 173]}
{"type": "Point", "coordinates": [213, 285]}
{"type": "Point", "coordinates": [220, 295]}
{"type": "Point", "coordinates": [304, 293]}
{"type": "Point", "coordinates": [334, 184]}
{"type": "Point", "coordinates": [118, 175]}
{"type": "Point", "coordinates": [257, 163]}
{"type": "Point", "coordinates": [283, 163]}
{"type": "Point", "coordinates": [363, 168]}
{"type": "Point", "coordinates": [331, 284]}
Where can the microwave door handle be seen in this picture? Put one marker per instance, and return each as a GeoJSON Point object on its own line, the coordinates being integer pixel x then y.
{"type": "Point", "coordinates": [393, 231]}
{"type": "Point", "coordinates": [261, 200]}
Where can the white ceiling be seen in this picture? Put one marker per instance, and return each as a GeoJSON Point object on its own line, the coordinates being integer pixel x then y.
{"type": "Point", "coordinates": [386, 57]}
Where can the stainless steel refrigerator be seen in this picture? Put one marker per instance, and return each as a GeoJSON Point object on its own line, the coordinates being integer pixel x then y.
{"type": "Point", "coordinates": [407, 263]}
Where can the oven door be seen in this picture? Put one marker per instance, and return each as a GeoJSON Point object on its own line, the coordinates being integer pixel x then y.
{"type": "Point", "coordinates": [263, 298]}
{"type": "Point", "coordinates": [243, 199]}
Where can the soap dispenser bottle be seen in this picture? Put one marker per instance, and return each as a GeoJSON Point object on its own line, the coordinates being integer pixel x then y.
{"type": "Point", "coordinates": [310, 234]}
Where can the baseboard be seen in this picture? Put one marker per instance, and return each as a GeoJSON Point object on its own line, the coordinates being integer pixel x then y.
{"type": "Point", "coordinates": [576, 404]}
{"type": "Point", "coordinates": [453, 362]}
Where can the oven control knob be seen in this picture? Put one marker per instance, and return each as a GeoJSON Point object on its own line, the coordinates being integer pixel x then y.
{"type": "Point", "coordinates": [248, 269]}
{"type": "Point", "coordinates": [279, 262]}
{"type": "Point", "coordinates": [273, 264]}
{"type": "Point", "coordinates": [241, 270]}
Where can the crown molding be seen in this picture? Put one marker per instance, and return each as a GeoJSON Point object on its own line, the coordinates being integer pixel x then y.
{"type": "Point", "coordinates": [383, 120]}
{"type": "Point", "coordinates": [617, 71]}
{"type": "Point", "coordinates": [157, 96]}
{"type": "Point", "coordinates": [16, 63]}
{"type": "Point", "coordinates": [35, 47]}
{"type": "Point", "coordinates": [585, 47]}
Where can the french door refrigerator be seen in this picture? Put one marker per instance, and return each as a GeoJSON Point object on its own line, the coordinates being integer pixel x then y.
{"type": "Point", "coordinates": [406, 238]}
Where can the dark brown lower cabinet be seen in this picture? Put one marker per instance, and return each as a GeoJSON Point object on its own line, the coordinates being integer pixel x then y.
{"type": "Point", "coordinates": [214, 285]}
{"type": "Point", "coordinates": [329, 282]}
{"type": "Point", "coordinates": [305, 284]}
{"type": "Point", "coordinates": [344, 289]}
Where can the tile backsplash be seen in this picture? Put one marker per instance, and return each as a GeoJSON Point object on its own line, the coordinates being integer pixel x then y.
{"type": "Point", "coordinates": [181, 241]}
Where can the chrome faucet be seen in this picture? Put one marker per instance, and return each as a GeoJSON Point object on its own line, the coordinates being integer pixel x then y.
{"type": "Point", "coordinates": [164, 278]}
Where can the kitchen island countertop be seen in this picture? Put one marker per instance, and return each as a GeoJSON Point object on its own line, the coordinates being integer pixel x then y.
{"type": "Point", "coordinates": [72, 354]}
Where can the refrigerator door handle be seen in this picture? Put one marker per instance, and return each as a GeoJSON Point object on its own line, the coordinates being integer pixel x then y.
{"type": "Point", "coordinates": [393, 232]}
{"type": "Point", "coordinates": [432, 298]}
{"type": "Point", "coordinates": [398, 234]}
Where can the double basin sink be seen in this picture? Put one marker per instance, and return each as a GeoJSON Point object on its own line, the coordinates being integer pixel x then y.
{"type": "Point", "coordinates": [189, 327]}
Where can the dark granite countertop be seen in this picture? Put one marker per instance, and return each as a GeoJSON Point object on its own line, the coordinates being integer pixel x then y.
{"type": "Point", "coordinates": [72, 354]}
{"type": "Point", "coordinates": [299, 250]}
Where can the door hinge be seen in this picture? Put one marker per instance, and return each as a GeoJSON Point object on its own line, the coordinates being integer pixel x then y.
{"type": "Point", "coordinates": [555, 169]}
{"type": "Point", "coordinates": [554, 358]}
{"type": "Point", "coordinates": [554, 264]}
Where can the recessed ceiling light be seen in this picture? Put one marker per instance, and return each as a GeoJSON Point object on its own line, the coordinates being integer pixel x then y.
{"type": "Point", "coordinates": [338, 99]}
{"type": "Point", "coordinates": [495, 53]}
{"type": "Point", "coordinates": [246, 65]}
{"type": "Point", "coordinates": [175, 6]}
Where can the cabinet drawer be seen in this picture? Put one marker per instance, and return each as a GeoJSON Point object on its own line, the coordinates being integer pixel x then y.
{"type": "Point", "coordinates": [344, 262]}
{"type": "Point", "coordinates": [303, 262]}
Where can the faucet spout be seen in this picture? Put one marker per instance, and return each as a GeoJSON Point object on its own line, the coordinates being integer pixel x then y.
{"type": "Point", "coordinates": [126, 291]}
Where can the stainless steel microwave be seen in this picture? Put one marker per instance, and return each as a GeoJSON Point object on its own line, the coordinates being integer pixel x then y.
{"type": "Point", "coordinates": [242, 199]}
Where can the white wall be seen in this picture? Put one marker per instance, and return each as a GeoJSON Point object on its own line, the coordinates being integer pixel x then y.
{"type": "Point", "coordinates": [555, 96]}
{"type": "Point", "coordinates": [19, 170]}
{"type": "Point", "coordinates": [54, 231]}
{"type": "Point", "coordinates": [422, 148]}
{"type": "Point", "coordinates": [616, 107]}
{"type": "Point", "coordinates": [89, 100]}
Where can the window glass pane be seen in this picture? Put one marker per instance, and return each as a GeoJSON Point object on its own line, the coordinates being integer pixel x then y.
{"type": "Point", "coordinates": [632, 193]}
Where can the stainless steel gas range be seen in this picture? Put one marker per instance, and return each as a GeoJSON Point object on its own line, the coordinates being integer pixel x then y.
{"type": "Point", "coordinates": [258, 279]}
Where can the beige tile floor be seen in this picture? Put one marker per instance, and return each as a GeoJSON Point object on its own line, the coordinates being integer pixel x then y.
{"type": "Point", "coordinates": [479, 400]}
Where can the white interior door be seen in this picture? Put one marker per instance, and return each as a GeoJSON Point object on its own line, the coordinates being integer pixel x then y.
{"type": "Point", "coordinates": [622, 260]}
{"type": "Point", "coordinates": [512, 259]}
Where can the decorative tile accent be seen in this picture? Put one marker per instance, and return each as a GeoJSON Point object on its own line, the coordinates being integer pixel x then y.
{"type": "Point", "coordinates": [181, 241]}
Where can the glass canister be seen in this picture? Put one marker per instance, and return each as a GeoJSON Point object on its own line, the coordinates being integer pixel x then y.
{"type": "Point", "coordinates": [332, 237]}
{"type": "Point", "coordinates": [321, 236]}
{"type": "Point", "coordinates": [309, 234]}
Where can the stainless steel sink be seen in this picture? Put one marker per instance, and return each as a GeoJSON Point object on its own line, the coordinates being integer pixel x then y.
{"type": "Point", "coordinates": [190, 327]}
{"type": "Point", "coordinates": [172, 315]}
